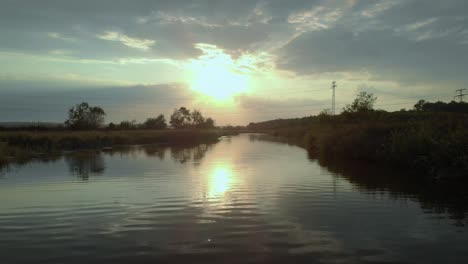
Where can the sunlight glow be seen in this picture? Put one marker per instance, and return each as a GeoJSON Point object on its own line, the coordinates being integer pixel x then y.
{"type": "Point", "coordinates": [220, 181]}
{"type": "Point", "coordinates": [217, 74]}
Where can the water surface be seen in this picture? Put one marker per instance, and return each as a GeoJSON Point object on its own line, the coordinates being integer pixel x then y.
{"type": "Point", "coordinates": [242, 200]}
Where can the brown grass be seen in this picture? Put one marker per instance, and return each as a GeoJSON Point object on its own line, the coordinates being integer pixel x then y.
{"type": "Point", "coordinates": [22, 144]}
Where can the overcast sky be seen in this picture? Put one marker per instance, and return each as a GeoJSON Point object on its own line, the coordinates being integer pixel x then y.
{"type": "Point", "coordinates": [237, 61]}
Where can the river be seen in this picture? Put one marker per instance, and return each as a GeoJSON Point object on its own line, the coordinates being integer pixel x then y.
{"type": "Point", "coordinates": [244, 199]}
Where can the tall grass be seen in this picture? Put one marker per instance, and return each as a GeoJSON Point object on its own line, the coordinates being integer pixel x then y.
{"type": "Point", "coordinates": [435, 144]}
{"type": "Point", "coordinates": [21, 144]}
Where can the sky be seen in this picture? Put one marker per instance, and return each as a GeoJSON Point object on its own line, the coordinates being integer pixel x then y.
{"type": "Point", "coordinates": [236, 61]}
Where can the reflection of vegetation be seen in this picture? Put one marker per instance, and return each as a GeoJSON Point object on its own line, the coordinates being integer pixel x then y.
{"type": "Point", "coordinates": [11, 157]}
{"type": "Point", "coordinates": [254, 137]}
{"type": "Point", "coordinates": [149, 150]}
{"type": "Point", "coordinates": [17, 145]}
{"type": "Point", "coordinates": [86, 163]}
{"type": "Point", "coordinates": [155, 151]}
{"type": "Point", "coordinates": [440, 196]}
{"type": "Point", "coordinates": [432, 139]}
{"type": "Point", "coordinates": [180, 153]}
{"type": "Point", "coordinates": [194, 154]}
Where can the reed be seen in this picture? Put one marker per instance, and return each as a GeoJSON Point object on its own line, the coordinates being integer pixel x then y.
{"type": "Point", "coordinates": [15, 145]}
{"type": "Point", "coordinates": [434, 144]}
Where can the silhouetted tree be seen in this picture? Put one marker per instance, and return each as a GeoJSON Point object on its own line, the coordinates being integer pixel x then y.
{"type": "Point", "coordinates": [128, 124]}
{"type": "Point", "coordinates": [184, 118]}
{"type": "Point", "coordinates": [156, 123]}
{"type": "Point", "coordinates": [362, 103]}
{"type": "Point", "coordinates": [84, 116]}
{"type": "Point", "coordinates": [197, 118]}
{"type": "Point", "coordinates": [454, 107]}
{"type": "Point", "coordinates": [419, 106]}
{"type": "Point", "coordinates": [209, 123]}
{"type": "Point", "coordinates": [181, 118]}
{"type": "Point", "coordinates": [325, 115]}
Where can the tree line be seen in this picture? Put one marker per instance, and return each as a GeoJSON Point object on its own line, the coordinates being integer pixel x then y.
{"type": "Point", "coordinates": [431, 139]}
{"type": "Point", "coordinates": [86, 117]}
{"type": "Point", "coordinates": [362, 109]}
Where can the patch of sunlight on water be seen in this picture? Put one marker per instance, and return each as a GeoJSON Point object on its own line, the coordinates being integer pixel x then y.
{"type": "Point", "coordinates": [221, 179]}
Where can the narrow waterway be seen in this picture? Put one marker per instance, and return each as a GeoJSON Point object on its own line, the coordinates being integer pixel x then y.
{"type": "Point", "coordinates": [242, 200]}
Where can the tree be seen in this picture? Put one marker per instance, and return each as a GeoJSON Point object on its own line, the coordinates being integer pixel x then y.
{"type": "Point", "coordinates": [197, 118]}
{"type": "Point", "coordinates": [156, 123]}
{"type": "Point", "coordinates": [454, 107]}
{"type": "Point", "coordinates": [180, 118]}
{"type": "Point", "coordinates": [419, 106]}
{"type": "Point", "coordinates": [362, 103]}
{"type": "Point", "coordinates": [128, 124]}
{"type": "Point", "coordinates": [184, 118]}
{"type": "Point", "coordinates": [209, 123]}
{"type": "Point", "coordinates": [84, 116]}
{"type": "Point", "coordinates": [325, 115]}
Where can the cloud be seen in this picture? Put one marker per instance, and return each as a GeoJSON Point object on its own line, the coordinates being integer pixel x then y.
{"type": "Point", "coordinates": [399, 41]}
{"type": "Point", "coordinates": [56, 35]}
{"type": "Point", "coordinates": [168, 18]}
{"type": "Point", "coordinates": [143, 44]}
{"type": "Point", "coordinates": [410, 43]}
{"type": "Point", "coordinates": [380, 7]}
{"type": "Point", "coordinates": [420, 24]}
{"type": "Point", "coordinates": [317, 18]}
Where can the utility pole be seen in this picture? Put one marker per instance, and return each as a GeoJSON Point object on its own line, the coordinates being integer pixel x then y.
{"type": "Point", "coordinates": [333, 97]}
{"type": "Point", "coordinates": [460, 94]}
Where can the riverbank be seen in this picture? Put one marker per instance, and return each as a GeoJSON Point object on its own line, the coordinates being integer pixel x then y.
{"type": "Point", "coordinates": [434, 144]}
{"type": "Point", "coordinates": [20, 146]}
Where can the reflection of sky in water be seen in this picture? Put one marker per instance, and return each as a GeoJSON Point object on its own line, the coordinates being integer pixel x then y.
{"type": "Point", "coordinates": [258, 197]}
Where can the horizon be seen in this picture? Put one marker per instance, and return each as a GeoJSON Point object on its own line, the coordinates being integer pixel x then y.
{"type": "Point", "coordinates": [238, 62]}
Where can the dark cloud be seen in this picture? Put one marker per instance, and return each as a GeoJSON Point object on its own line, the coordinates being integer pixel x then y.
{"type": "Point", "coordinates": [378, 51]}
{"type": "Point", "coordinates": [391, 36]}
{"type": "Point", "coordinates": [406, 42]}
{"type": "Point", "coordinates": [175, 26]}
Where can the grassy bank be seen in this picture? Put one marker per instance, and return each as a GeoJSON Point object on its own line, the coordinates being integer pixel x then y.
{"type": "Point", "coordinates": [435, 144]}
{"type": "Point", "coordinates": [22, 145]}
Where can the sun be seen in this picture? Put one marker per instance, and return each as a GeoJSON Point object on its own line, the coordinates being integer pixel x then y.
{"type": "Point", "coordinates": [216, 74]}
{"type": "Point", "coordinates": [218, 82]}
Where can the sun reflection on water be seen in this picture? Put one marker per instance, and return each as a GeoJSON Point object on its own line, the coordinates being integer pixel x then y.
{"type": "Point", "coordinates": [220, 180]}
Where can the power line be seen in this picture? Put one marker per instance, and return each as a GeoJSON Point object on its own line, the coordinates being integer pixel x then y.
{"type": "Point", "coordinates": [460, 94]}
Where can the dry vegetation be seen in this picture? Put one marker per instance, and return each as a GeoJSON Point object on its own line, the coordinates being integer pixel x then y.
{"type": "Point", "coordinates": [19, 145]}
{"type": "Point", "coordinates": [435, 144]}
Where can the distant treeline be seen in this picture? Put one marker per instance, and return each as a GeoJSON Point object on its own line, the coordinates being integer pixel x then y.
{"type": "Point", "coordinates": [181, 118]}
{"type": "Point", "coordinates": [86, 117]}
{"type": "Point", "coordinates": [431, 138]}
{"type": "Point", "coordinates": [85, 129]}
{"type": "Point", "coordinates": [422, 111]}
